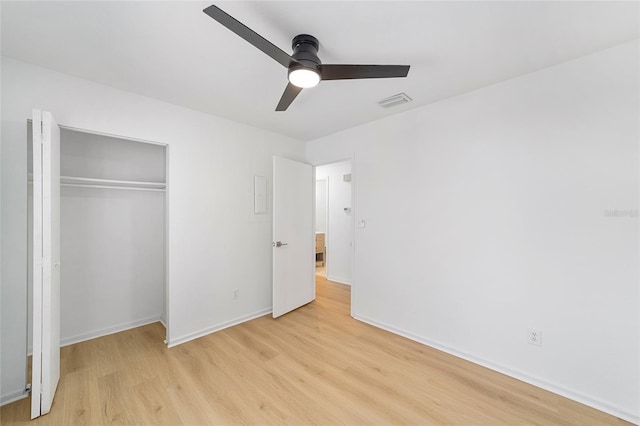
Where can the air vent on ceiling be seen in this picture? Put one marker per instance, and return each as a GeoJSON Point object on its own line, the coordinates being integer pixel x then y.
{"type": "Point", "coordinates": [391, 101]}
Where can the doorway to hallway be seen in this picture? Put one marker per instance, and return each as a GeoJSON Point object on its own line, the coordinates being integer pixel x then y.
{"type": "Point", "coordinates": [334, 222]}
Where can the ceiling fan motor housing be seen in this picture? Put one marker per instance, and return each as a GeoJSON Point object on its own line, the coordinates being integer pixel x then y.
{"type": "Point", "coordinates": [305, 51]}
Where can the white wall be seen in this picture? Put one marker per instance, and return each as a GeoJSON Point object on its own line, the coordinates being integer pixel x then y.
{"type": "Point", "coordinates": [489, 213]}
{"type": "Point", "coordinates": [112, 240]}
{"type": "Point", "coordinates": [339, 223]}
{"type": "Point", "coordinates": [321, 205]}
{"type": "Point", "coordinates": [213, 233]}
{"type": "Point", "coordinates": [113, 252]}
{"type": "Point", "coordinates": [112, 245]}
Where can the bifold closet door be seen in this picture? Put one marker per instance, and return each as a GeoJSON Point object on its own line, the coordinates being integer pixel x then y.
{"type": "Point", "coordinates": [46, 262]}
{"type": "Point", "coordinates": [293, 235]}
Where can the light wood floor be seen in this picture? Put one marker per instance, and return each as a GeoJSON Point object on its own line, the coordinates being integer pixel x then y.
{"type": "Point", "coordinates": [316, 365]}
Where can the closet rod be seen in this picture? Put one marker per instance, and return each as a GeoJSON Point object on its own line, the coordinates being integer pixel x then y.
{"type": "Point", "coordinates": [97, 181]}
{"type": "Point", "coordinates": [80, 185]}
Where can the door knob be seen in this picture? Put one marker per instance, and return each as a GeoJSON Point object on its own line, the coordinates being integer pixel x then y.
{"type": "Point", "coordinates": [279, 244]}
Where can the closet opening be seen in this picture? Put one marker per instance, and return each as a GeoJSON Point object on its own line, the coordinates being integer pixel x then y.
{"type": "Point", "coordinates": [113, 234]}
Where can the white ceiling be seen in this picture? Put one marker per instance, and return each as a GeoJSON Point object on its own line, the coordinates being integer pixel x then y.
{"type": "Point", "coordinates": [172, 51]}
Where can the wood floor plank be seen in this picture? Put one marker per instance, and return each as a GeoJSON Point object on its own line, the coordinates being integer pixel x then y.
{"type": "Point", "coordinates": [313, 366]}
{"type": "Point", "coordinates": [81, 400]}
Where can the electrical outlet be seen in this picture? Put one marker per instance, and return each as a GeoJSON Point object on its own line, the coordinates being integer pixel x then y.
{"type": "Point", "coordinates": [236, 294]}
{"type": "Point", "coordinates": [534, 337]}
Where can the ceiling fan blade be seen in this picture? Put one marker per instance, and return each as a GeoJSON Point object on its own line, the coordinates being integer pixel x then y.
{"type": "Point", "coordinates": [346, 72]}
{"type": "Point", "coordinates": [290, 93]}
{"type": "Point", "coordinates": [249, 35]}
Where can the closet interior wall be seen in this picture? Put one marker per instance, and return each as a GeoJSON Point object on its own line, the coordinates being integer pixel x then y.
{"type": "Point", "coordinates": [113, 225]}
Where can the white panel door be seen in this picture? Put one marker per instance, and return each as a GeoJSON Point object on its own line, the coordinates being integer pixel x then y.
{"type": "Point", "coordinates": [293, 236]}
{"type": "Point", "coordinates": [46, 262]}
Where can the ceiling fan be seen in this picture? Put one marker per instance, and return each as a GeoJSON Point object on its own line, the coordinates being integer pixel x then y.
{"type": "Point", "coordinates": [304, 67]}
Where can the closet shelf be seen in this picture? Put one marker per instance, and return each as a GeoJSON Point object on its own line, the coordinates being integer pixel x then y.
{"type": "Point", "coordinates": [83, 182]}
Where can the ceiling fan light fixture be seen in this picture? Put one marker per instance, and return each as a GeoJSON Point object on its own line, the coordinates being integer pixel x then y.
{"type": "Point", "coordinates": [304, 77]}
{"type": "Point", "coordinates": [304, 66]}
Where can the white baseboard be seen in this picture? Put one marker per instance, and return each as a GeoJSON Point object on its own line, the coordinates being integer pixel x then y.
{"type": "Point", "coordinates": [13, 397]}
{"type": "Point", "coordinates": [551, 387]}
{"type": "Point", "coordinates": [104, 332]}
{"type": "Point", "coordinates": [218, 327]}
{"type": "Point", "coordinates": [338, 279]}
{"type": "Point", "coordinates": [109, 330]}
